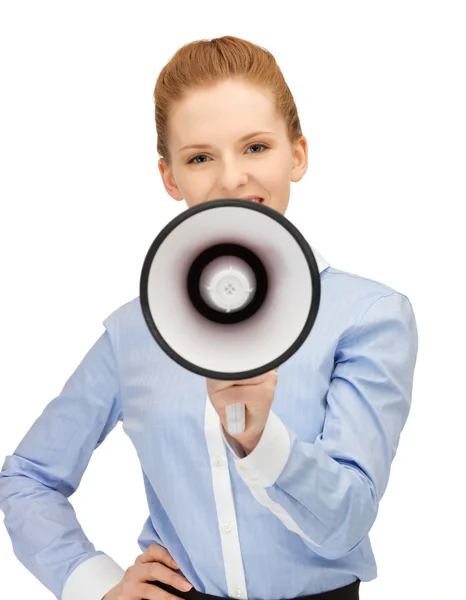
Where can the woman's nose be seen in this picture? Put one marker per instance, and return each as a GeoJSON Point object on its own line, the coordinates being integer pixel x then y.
{"type": "Point", "coordinates": [232, 177]}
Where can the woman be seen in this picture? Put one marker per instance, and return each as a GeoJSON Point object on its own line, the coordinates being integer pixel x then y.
{"type": "Point", "coordinates": [284, 509]}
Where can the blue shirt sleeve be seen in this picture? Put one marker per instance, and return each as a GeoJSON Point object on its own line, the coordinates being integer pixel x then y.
{"type": "Point", "coordinates": [47, 466]}
{"type": "Point", "coordinates": [329, 491]}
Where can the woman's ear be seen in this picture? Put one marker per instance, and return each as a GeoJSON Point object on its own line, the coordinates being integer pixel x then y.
{"type": "Point", "coordinates": [299, 164]}
{"type": "Point", "coordinates": [168, 179]}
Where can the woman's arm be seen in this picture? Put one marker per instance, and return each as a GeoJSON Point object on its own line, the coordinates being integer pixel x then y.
{"type": "Point", "coordinates": [47, 467]}
{"type": "Point", "coordinates": [328, 492]}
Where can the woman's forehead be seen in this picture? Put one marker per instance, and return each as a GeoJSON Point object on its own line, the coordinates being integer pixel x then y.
{"type": "Point", "coordinates": [237, 110]}
{"type": "Point", "coordinates": [223, 99]}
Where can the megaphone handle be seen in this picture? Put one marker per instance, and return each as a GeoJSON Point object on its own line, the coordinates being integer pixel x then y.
{"type": "Point", "coordinates": [235, 414]}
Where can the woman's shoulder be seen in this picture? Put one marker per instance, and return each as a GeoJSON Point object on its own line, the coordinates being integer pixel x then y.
{"type": "Point", "coordinates": [346, 297]}
{"type": "Point", "coordinates": [127, 317]}
{"type": "Point", "coordinates": [348, 285]}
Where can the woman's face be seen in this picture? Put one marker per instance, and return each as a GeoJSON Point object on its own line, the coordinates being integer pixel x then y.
{"type": "Point", "coordinates": [227, 141]}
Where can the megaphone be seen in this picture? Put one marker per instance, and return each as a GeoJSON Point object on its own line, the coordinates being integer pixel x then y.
{"type": "Point", "coordinates": [230, 289]}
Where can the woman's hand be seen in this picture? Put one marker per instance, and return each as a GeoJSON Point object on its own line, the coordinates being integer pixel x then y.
{"type": "Point", "coordinates": [256, 393]}
{"type": "Point", "coordinates": [155, 564]}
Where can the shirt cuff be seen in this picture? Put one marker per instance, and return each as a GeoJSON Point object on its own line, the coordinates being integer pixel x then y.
{"type": "Point", "coordinates": [268, 459]}
{"type": "Point", "coordinates": [92, 579]}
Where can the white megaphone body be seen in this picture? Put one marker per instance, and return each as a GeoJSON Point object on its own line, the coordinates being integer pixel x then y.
{"type": "Point", "coordinates": [230, 289]}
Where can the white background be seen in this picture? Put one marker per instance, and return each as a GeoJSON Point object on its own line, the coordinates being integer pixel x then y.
{"type": "Point", "coordinates": [380, 88]}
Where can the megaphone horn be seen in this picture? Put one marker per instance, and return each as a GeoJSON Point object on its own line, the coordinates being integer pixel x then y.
{"type": "Point", "coordinates": [230, 289]}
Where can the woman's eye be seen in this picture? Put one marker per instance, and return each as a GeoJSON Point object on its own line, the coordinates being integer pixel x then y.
{"type": "Point", "coordinates": [257, 146]}
{"type": "Point", "coordinates": [195, 161]}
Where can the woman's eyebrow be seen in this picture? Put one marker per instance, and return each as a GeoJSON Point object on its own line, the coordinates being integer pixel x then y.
{"type": "Point", "coordinates": [245, 138]}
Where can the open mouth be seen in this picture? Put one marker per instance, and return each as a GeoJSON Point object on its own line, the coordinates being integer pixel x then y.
{"type": "Point", "coordinates": [255, 199]}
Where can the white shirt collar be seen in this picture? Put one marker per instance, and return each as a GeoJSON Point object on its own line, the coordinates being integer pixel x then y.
{"type": "Point", "coordinates": [322, 264]}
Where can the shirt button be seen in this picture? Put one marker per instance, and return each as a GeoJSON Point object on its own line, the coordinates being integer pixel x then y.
{"type": "Point", "coordinates": [238, 593]}
{"type": "Point", "coordinates": [243, 467]}
{"type": "Point", "coordinates": [218, 461]}
{"type": "Point", "coordinates": [228, 527]}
